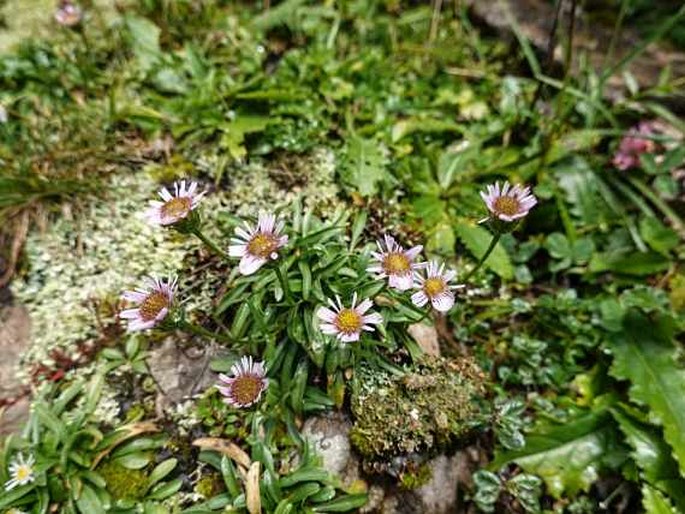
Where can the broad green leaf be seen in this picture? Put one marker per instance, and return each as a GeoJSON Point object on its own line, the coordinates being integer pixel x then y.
{"type": "Point", "coordinates": [364, 166]}
{"type": "Point", "coordinates": [569, 457]}
{"type": "Point", "coordinates": [144, 41]}
{"type": "Point", "coordinates": [658, 236]}
{"type": "Point", "coordinates": [412, 125]}
{"type": "Point", "coordinates": [656, 503]}
{"type": "Point", "coordinates": [635, 263]}
{"type": "Point", "coordinates": [89, 502]}
{"type": "Point", "coordinates": [477, 239]}
{"type": "Point", "coordinates": [652, 455]}
{"type": "Point", "coordinates": [644, 354]}
{"type": "Point", "coordinates": [233, 138]}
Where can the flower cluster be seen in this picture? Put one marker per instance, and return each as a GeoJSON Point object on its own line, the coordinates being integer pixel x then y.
{"type": "Point", "coordinates": [257, 244]}
{"type": "Point", "coordinates": [636, 142]}
{"type": "Point", "coordinates": [68, 14]}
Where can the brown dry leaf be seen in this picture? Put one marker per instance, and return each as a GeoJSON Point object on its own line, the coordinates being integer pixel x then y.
{"type": "Point", "coordinates": [225, 447]}
{"type": "Point", "coordinates": [252, 498]}
{"type": "Point", "coordinates": [127, 432]}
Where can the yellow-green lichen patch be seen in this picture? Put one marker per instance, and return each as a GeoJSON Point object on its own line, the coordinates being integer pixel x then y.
{"type": "Point", "coordinates": [123, 483]}
{"type": "Point", "coordinates": [429, 408]}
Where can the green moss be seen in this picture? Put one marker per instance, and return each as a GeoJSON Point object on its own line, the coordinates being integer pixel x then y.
{"type": "Point", "coordinates": [413, 478]}
{"type": "Point", "coordinates": [123, 483]}
{"type": "Point", "coordinates": [431, 407]}
{"type": "Point", "coordinates": [209, 485]}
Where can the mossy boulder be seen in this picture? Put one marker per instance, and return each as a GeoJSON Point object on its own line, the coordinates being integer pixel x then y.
{"type": "Point", "coordinates": [124, 483]}
{"type": "Point", "coordinates": [429, 409]}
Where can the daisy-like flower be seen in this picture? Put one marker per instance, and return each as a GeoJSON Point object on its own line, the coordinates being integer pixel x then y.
{"type": "Point", "coordinates": [396, 263]}
{"type": "Point", "coordinates": [153, 300]}
{"type": "Point", "coordinates": [256, 245]}
{"type": "Point", "coordinates": [347, 323]}
{"type": "Point", "coordinates": [175, 207]}
{"type": "Point", "coordinates": [246, 385]}
{"type": "Point", "coordinates": [508, 203]}
{"type": "Point", "coordinates": [435, 287]}
{"type": "Point", "coordinates": [68, 14]}
{"type": "Point", "coordinates": [21, 472]}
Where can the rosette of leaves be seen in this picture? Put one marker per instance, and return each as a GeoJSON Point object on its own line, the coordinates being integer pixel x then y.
{"type": "Point", "coordinates": [273, 312]}
{"type": "Point", "coordinates": [70, 450]}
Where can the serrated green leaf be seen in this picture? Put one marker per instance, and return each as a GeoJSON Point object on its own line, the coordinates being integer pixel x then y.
{"type": "Point", "coordinates": [655, 503]}
{"type": "Point", "coordinates": [644, 354]}
{"type": "Point", "coordinates": [477, 239]}
{"type": "Point", "coordinates": [652, 455]}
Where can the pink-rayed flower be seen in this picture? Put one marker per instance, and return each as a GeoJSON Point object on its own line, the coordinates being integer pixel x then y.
{"type": "Point", "coordinates": [635, 143]}
{"type": "Point", "coordinates": [175, 207]}
{"type": "Point", "coordinates": [347, 323]}
{"type": "Point", "coordinates": [21, 472]}
{"type": "Point", "coordinates": [434, 286]}
{"type": "Point", "coordinates": [153, 299]}
{"type": "Point", "coordinates": [508, 203]}
{"type": "Point", "coordinates": [256, 245]}
{"type": "Point", "coordinates": [68, 14]}
{"type": "Point", "coordinates": [246, 385]}
{"type": "Point", "coordinates": [396, 263]}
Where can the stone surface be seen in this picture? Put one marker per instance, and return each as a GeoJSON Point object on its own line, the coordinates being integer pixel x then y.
{"type": "Point", "coordinates": [181, 371]}
{"type": "Point", "coordinates": [15, 331]}
{"type": "Point", "coordinates": [329, 437]}
{"type": "Point", "coordinates": [427, 338]}
{"type": "Point", "coordinates": [535, 18]}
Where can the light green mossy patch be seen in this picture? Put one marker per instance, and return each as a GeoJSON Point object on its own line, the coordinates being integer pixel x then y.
{"type": "Point", "coordinates": [424, 411]}
{"type": "Point", "coordinates": [124, 483]}
{"type": "Point", "coordinates": [80, 261]}
{"type": "Point", "coordinates": [106, 247]}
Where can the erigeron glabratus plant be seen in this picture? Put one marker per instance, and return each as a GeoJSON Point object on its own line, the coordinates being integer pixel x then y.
{"type": "Point", "coordinates": [308, 295]}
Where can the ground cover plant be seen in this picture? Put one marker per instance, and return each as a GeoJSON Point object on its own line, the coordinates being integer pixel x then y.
{"type": "Point", "coordinates": [316, 257]}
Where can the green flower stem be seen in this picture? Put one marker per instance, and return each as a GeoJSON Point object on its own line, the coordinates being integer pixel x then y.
{"type": "Point", "coordinates": [209, 243]}
{"type": "Point", "coordinates": [203, 332]}
{"type": "Point", "coordinates": [493, 243]}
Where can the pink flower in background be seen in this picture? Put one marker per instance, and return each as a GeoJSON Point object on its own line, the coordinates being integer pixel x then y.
{"type": "Point", "coordinates": [153, 299]}
{"type": "Point", "coordinates": [175, 207]}
{"type": "Point", "coordinates": [396, 263]}
{"type": "Point", "coordinates": [68, 14]}
{"type": "Point", "coordinates": [635, 144]}
{"type": "Point", "coordinates": [246, 385]}
{"type": "Point", "coordinates": [255, 245]}
{"type": "Point", "coordinates": [508, 203]}
{"type": "Point", "coordinates": [347, 323]}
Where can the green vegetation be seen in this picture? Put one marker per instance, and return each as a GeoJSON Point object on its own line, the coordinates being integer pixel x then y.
{"type": "Point", "coordinates": [561, 371]}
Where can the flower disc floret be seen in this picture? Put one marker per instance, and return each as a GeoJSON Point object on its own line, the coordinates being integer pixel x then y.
{"type": "Point", "coordinates": [348, 323]}
{"type": "Point", "coordinates": [154, 299]}
{"type": "Point", "coordinates": [508, 203]}
{"type": "Point", "coordinates": [246, 385]}
{"type": "Point", "coordinates": [256, 245]}
{"type": "Point", "coordinates": [395, 263]}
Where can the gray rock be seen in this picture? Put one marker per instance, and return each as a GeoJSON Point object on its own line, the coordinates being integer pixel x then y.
{"type": "Point", "coordinates": [181, 371]}
{"type": "Point", "coordinates": [329, 436]}
{"type": "Point", "coordinates": [426, 337]}
{"type": "Point", "coordinates": [15, 332]}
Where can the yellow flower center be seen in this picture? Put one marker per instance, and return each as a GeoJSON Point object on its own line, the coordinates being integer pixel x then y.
{"type": "Point", "coordinates": [178, 207]}
{"type": "Point", "coordinates": [348, 321]}
{"type": "Point", "coordinates": [262, 245]}
{"type": "Point", "coordinates": [396, 263]}
{"type": "Point", "coordinates": [152, 305]}
{"type": "Point", "coordinates": [23, 472]}
{"type": "Point", "coordinates": [434, 286]}
{"type": "Point", "coordinates": [507, 205]}
{"type": "Point", "coordinates": [246, 388]}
